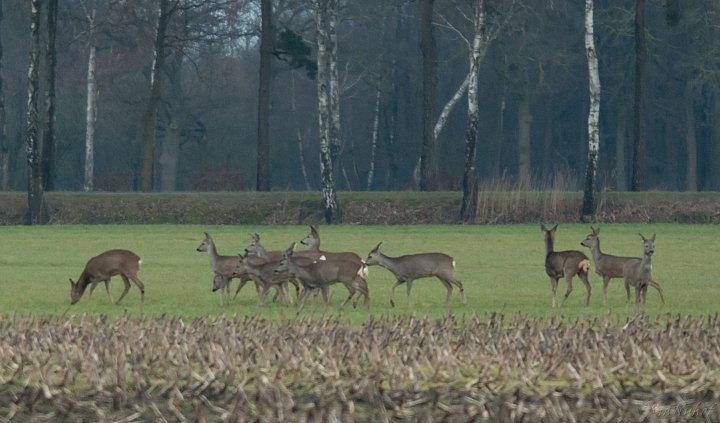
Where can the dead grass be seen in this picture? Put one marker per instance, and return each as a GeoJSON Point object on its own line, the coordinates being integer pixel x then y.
{"type": "Point", "coordinates": [250, 369]}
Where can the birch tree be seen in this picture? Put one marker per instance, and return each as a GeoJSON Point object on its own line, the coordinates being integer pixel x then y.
{"type": "Point", "coordinates": [48, 143]}
{"type": "Point", "coordinates": [35, 189]}
{"type": "Point", "coordinates": [374, 139]}
{"type": "Point", "coordinates": [467, 211]}
{"type": "Point", "coordinates": [91, 103]}
{"type": "Point", "coordinates": [589, 200]}
{"type": "Point", "coordinates": [325, 125]}
{"type": "Point", "coordinates": [4, 153]}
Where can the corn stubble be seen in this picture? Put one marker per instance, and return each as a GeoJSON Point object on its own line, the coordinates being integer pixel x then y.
{"type": "Point", "coordinates": [419, 369]}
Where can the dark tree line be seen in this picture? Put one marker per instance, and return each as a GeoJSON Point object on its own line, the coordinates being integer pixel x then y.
{"type": "Point", "coordinates": [333, 94]}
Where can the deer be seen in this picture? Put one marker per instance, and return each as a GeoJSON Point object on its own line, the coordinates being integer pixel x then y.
{"type": "Point", "coordinates": [567, 264]}
{"type": "Point", "coordinates": [263, 273]}
{"type": "Point", "coordinates": [102, 268]}
{"type": "Point", "coordinates": [610, 267]}
{"type": "Point", "coordinates": [312, 241]}
{"type": "Point", "coordinates": [408, 268]}
{"type": "Point", "coordinates": [320, 274]}
{"type": "Point", "coordinates": [223, 265]}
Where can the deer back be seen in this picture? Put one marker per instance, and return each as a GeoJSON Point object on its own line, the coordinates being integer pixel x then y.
{"type": "Point", "coordinates": [422, 265]}
{"type": "Point", "coordinates": [113, 262]}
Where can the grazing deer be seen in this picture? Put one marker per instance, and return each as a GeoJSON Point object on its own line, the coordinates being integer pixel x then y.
{"type": "Point", "coordinates": [103, 267]}
{"type": "Point", "coordinates": [408, 268]}
{"type": "Point", "coordinates": [609, 266]}
{"type": "Point", "coordinates": [565, 264]}
{"type": "Point", "coordinates": [222, 265]}
{"type": "Point", "coordinates": [320, 274]}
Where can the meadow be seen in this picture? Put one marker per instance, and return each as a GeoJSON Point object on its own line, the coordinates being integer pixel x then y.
{"type": "Point", "coordinates": [501, 267]}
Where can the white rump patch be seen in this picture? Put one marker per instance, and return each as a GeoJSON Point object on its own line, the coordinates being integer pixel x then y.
{"type": "Point", "coordinates": [139, 262]}
{"type": "Point", "coordinates": [453, 264]}
{"type": "Point", "coordinates": [363, 272]}
{"type": "Point", "coordinates": [323, 258]}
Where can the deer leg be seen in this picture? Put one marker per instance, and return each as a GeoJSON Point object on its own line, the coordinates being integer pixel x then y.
{"type": "Point", "coordinates": [392, 292]}
{"type": "Point", "coordinates": [92, 288]}
{"type": "Point", "coordinates": [351, 293]}
{"type": "Point", "coordinates": [325, 295]}
{"type": "Point", "coordinates": [125, 290]}
{"type": "Point", "coordinates": [408, 288]}
{"type": "Point", "coordinates": [107, 289]}
{"type": "Point", "coordinates": [553, 287]}
{"type": "Point", "coordinates": [584, 279]}
{"type": "Point", "coordinates": [460, 286]}
{"type": "Point", "coordinates": [242, 283]}
{"type": "Point", "coordinates": [627, 290]}
{"type": "Point", "coordinates": [659, 290]}
{"type": "Point", "coordinates": [449, 288]}
{"type": "Point", "coordinates": [606, 282]}
{"type": "Point", "coordinates": [140, 286]}
{"type": "Point", "coordinates": [568, 280]}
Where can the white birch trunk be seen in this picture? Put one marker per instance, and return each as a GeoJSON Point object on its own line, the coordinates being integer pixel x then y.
{"type": "Point", "coordinates": [373, 146]}
{"type": "Point", "coordinates": [479, 40]}
{"type": "Point", "coordinates": [589, 200]}
{"type": "Point", "coordinates": [90, 117]}
{"type": "Point", "coordinates": [324, 112]}
{"type": "Point", "coordinates": [336, 139]}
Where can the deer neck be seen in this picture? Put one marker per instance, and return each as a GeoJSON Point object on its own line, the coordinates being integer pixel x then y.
{"type": "Point", "coordinates": [387, 262]}
{"type": "Point", "coordinates": [262, 252]}
{"type": "Point", "coordinates": [646, 263]}
{"type": "Point", "coordinates": [549, 245]}
{"type": "Point", "coordinates": [596, 252]}
{"type": "Point", "coordinates": [315, 245]}
{"type": "Point", "coordinates": [212, 253]}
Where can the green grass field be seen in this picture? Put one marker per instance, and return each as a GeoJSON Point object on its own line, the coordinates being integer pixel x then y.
{"type": "Point", "coordinates": [501, 267]}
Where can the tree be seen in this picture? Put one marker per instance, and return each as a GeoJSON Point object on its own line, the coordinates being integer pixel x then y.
{"type": "Point", "coordinates": [589, 200]}
{"type": "Point", "coordinates": [374, 138]}
{"type": "Point", "coordinates": [35, 188]}
{"type": "Point", "coordinates": [323, 10]}
{"type": "Point", "coordinates": [91, 103]}
{"type": "Point", "coordinates": [638, 125]}
{"type": "Point", "coordinates": [467, 211]}
{"type": "Point", "coordinates": [4, 153]}
{"type": "Point", "coordinates": [267, 35]}
{"type": "Point", "coordinates": [153, 103]}
{"type": "Point", "coordinates": [429, 94]}
{"type": "Point", "coordinates": [48, 144]}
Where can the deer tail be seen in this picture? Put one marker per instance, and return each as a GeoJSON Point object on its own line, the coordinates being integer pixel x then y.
{"type": "Point", "coordinates": [584, 265]}
{"type": "Point", "coordinates": [657, 286]}
{"type": "Point", "coordinates": [139, 262]}
{"type": "Point", "coordinates": [363, 271]}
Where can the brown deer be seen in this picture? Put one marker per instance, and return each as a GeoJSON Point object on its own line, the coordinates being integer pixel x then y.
{"type": "Point", "coordinates": [103, 267]}
{"type": "Point", "coordinates": [222, 265]}
{"type": "Point", "coordinates": [609, 266]}
{"type": "Point", "coordinates": [408, 268]}
{"type": "Point", "coordinates": [312, 241]}
{"type": "Point", "coordinates": [565, 264]}
{"type": "Point", "coordinates": [263, 273]}
{"type": "Point", "coordinates": [320, 274]}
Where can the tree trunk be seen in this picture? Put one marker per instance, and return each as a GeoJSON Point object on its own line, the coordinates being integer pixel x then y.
{"type": "Point", "coordinates": [48, 144]}
{"type": "Point", "coordinates": [690, 140]}
{"type": "Point", "coordinates": [267, 35]}
{"type": "Point", "coordinates": [151, 110]}
{"type": "Point", "coordinates": [638, 126]}
{"type": "Point", "coordinates": [499, 141]}
{"type": "Point", "coordinates": [298, 133]}
{"type": "Point", "coordinates": [524, 150]}
{"type": "Point", "coordinates": [374, 137]}
{"type": "Point", "coordinates": [35, 189]}
{"type": "Point", "coordinates": [4, 151]}
{"type": "Point", "coordinates": [670, 156]}
{"type": "Point", "coordinates": [336, 142]}
{"type": "Point", "coordinates": [170, 150]}
{"type": "Point", "coordinates": [429, 76]}
{"type": "Point", "coordinates": [620, 164]}
{"type": "Point", "coordinates": [90, 119]}
{"type": "Point", "coordinates": [330, 203]}
{"type": "Point", "coordinates": [589, 199]}
{"type": "Point", "coordinates": [715, 144]}
{"type": "Point", "coordinates": [467, 212]}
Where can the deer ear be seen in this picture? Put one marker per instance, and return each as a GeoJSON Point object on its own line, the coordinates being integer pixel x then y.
{"type": "Point", "coordinates": [641, 236]}
{"type": "Point", "coordinates": [207, 235]}
{"type": "Point", "coordinates": [554, 228]}
{"type": "Point", "coordinates": [314, 230]}
{"type": "Point", "coordinates": [653, 238]}
{"type": "Point", "coordinates": [542, 227]}
{"type": "Point", "coordinates": [290, 249]}
{"type": "Point", "coordinates": [72, 284]}
{"type": "Point", "coordinates": [377, 247]}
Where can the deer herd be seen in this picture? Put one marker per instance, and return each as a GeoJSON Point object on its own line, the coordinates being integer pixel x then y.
{"type": "Point", "coordinates": [313, 270]}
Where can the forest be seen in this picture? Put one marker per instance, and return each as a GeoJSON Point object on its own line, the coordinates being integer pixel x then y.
{"type": "Point", "coordinates": [227, 95]}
